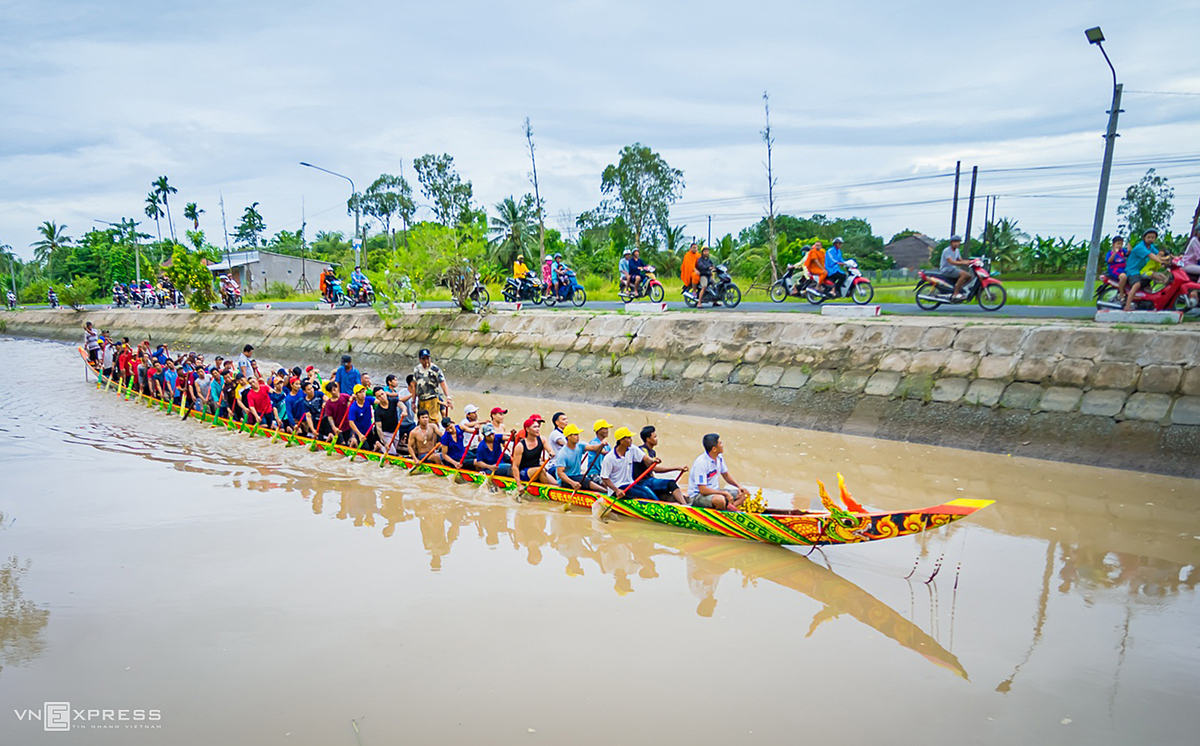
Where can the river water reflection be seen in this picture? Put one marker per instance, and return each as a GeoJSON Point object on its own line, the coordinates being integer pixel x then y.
{"type": "Point", "coordinates": [256, 594]}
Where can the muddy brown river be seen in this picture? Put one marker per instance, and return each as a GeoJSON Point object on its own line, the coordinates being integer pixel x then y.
{"type": "Point", "coordinates": [174, 584]}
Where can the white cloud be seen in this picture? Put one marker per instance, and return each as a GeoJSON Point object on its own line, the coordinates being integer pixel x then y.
{"type": "Point", "coordinates": [227, 98]}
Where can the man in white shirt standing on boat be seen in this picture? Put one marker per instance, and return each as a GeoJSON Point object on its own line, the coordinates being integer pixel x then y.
{"type": "Point", "coordinates": [704, 480]}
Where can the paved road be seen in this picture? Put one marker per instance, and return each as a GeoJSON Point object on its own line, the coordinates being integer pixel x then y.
{"type": "Point", "coordinates": [972, 309]}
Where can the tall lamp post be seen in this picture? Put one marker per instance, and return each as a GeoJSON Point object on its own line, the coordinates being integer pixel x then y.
{"type": "Point", "coordinates": [353, 192]}
{"type": "Point", "coordinates": [1096, 36]}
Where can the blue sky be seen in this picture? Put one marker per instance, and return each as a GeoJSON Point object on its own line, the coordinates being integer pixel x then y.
{"type": "Point", "coordinates": [226, 98]}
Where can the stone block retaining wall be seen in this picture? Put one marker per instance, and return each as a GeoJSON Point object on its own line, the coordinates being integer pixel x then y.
{"type": "Point", "coordinates": [1061, 390]}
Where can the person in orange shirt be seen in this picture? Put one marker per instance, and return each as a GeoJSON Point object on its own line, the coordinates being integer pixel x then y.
{"type": "Point", "coordinates": [687, 272]}
{"type": "Point", "coordinates": [814, 263]}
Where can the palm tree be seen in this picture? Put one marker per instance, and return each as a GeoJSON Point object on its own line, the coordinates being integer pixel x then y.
{"type": "Point", "coordinates": [54, 237]}
{"type": "Point", "coordinates": [193, 213]}
{"type": "Point", "coordinates": [512, 229]}
{"type": "Point", "coordinates": [154, 210]}
{"type": "Point", "coordinates": [163, 190]}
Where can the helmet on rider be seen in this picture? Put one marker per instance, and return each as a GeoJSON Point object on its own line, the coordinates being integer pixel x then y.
{"type": "Point", "coordinates": [837, 241]}
{"type": "Point", "coordinates": [956, 237]}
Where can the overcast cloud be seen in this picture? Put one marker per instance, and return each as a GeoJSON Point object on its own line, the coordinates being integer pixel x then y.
{"type": "Point", "coordinates": [226, 98]}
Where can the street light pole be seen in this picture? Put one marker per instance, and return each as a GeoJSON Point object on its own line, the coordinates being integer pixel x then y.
{"type": "Point", "coordinates": [353, 195]}
{"type": "Point", "coordinates": [1095, 36]}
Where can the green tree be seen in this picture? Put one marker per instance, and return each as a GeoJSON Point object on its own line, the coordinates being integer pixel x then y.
{"type": "Point", "coordinates": [250, 227]}
{"type": "Point", "coordinates": [514, 232]}
{"type": "Point", "coordinates": [154, 210]}
{"type": "Point", "coordinates": [438, 255]}
{"type": "Point", "coordinates": [192, 212]}
{"type": "Point", "coordinates": [164, 191]}
{"type": "Point", "coordinates": [81, 290]}
{"type": "Point", "coordinates": [642, 187]}
{"type": "Point", "coordinates": [193, 278]}
{"type": "Point", "coordinates": [1147, 205]}
{"type": "Point", "coordinates": [1004, 243]}
{"type": "Point", "coordinates": [388, 197]}
{"type": "Point", "coordinates": [440, 183]}
{"type": "Point", "coordinates": [54, 239]}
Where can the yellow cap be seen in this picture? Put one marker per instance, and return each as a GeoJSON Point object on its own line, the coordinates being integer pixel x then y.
{"type": "Point", "coordinates": [622, 432]}
{"type": "Point", "coordinates": [359, 387]}
{"type": "Point", "coordinates": [598, 424]}
{"type": "Point", "coordinates": [571, 430]}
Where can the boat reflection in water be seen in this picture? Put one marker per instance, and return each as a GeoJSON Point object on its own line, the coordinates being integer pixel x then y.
{"type": "Point", "coordinates": [623, 550]}
{"type": "Point", "coordinates": [21, 620]}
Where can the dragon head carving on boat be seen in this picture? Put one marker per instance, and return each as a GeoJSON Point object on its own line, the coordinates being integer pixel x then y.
{"type": "Point", "coordinates": [843, 525]}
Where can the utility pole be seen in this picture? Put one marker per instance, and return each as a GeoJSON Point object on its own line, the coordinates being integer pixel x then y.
{"type": "Point", "coordinates": [970, 207]}
{"type": "Point", "coordinates": [1096, 36]}
{"type": "Point", "coordinates": [225, 230]}
{"type": "Point", "coordinates": [954, 210]}
{"type": "Point", "coordinates": [303, 285]}
{"type": "Point", "coordinates": [709, 244]}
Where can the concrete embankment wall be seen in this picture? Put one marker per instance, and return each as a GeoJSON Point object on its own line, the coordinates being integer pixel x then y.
{"type": "Point", "coordinates": [1127, 398]}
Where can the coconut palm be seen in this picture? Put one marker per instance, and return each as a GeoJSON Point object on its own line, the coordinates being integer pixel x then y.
{"type": "Point", "coordinates": [164, 190]}
{"type": "Point", "coordinates": [513, 229]}
{"type": "Point", "coordinates": [54, 237]}
{"type": "Point", "coordinates": [154, 210]}
{"type": "Point", "coordinates": [193, 213]}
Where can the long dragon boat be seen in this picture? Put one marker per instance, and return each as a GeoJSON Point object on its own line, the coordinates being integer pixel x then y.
{"type": "Point", "coordinates": [835, 525]}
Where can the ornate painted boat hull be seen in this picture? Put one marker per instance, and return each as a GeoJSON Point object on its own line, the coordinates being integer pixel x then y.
{"type": "Point", "coordinates": [789, 527]}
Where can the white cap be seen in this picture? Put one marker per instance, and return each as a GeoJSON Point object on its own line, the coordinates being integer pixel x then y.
{"type": "Point", "coordinates": [470, 408]}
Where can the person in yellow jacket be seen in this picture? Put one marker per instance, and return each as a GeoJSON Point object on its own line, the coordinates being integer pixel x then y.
{"type": "Point", "coordinates": [520, 271]}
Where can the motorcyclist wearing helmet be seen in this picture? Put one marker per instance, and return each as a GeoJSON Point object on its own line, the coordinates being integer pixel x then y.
{"type": "Point", "coordinates": [358, 281]}
{"type": "Point", "coordinates": [834, 262]}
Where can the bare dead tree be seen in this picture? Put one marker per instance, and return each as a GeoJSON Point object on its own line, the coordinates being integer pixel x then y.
{"type": "Point", "coordinates": [771, 181]}
{"type": "Point", "coordinates": [537, 197]}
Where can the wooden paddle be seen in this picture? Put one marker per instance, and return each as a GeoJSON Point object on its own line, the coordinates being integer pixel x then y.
{"type": "Point", "coordinates": [427, 455]}
{"type": "Point", "coordinates": [613, 500]}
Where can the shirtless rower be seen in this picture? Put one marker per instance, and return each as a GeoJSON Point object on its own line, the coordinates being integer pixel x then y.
{"type": "Point", "coordinates": [424, 438]}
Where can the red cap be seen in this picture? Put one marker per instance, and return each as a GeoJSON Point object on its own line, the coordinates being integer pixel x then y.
{"type": "Point", "coordinates": [499, 410]}
{"type": "Point", "coordinates": [532, 419]}
{"type": "Point", "coordinates": [309, 369]}
{"type": "Point", "coordinates": [292, 380]}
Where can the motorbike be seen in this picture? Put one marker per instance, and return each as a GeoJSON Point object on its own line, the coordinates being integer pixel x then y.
{"type": "Point", "coordinates": [529, 289]}
{"type": "Point", "coordinates": [479, 294]}
{"type": "Point", "coordinates": [52, 297]}
{"type": "Point", "coordinates": [789, 284]}
{"type": "Point", "coordinates": [12, 302]}
{"type": "Point", "coordinates": [120, 300]}
{"type": "Point", "coordinates": [364, 293]}
{"type": "Point", "coordinates": [231, 296]}
{"type": "Point", "coordinates": [651, 288]}
{"type": "Point", "coordinates": [853, 286]}
{"type": "Point", "coordinates": [1174, 296]}
{"type": "Point", "coordinates": [933, 290]}
{"type": "Point", "coordinates": [334, 295]}
{"type": "Point", "coordinates": [569, 290]}
{"type": "Point", "coordinates": [721, 290]}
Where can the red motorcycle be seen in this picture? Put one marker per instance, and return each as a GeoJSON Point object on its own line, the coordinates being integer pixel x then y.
{"type": "Point", "coordinates": [1174, 296]}
{"type": "Point", "coordinates": [933, 290]}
